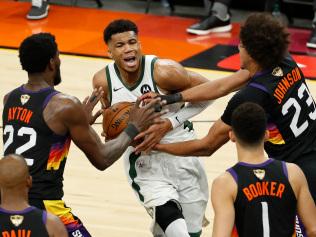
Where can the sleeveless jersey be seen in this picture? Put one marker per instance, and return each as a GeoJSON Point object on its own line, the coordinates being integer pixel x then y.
{"type": "Point", "coordinates": [119, 91]}
{"type": "Point", "coordinates": [27, 223]}
{"type": "Point", "coordinates": [265, 204]}
{"type": "Point", "coordinates": [291, 111]}
{"type": "Point", "coordinates": [26, 133]}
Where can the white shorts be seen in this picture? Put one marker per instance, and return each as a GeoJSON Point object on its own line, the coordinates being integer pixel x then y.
{"type": "Point", "coordinates": [160, 177]}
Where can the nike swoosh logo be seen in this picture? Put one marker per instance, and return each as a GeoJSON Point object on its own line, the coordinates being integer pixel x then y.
{"type": "Point", "coordinates": [116, 89]}
{"type": "Point", "coordinates": [177, 119]}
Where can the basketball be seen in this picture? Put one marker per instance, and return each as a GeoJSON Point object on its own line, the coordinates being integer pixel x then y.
{"type": "Point", "coordinates": [115, 119]}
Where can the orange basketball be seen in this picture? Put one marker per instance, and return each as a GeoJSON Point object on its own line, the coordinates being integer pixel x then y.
{"type": "Point", "coordinates": [115, 119]}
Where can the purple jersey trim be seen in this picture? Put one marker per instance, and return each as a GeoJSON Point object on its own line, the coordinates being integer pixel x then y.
{"type": "Point", "coordinates": [233, 173]}
{"type": "Point", "coordinates": [26, 210]}
{"type": "Point", "coordinates": [259, 74]}
{"type": "Point", "coordinates": [24, 90]}
{"type": "Point", "coordinates": [47, 99]}
{"type": "Point", "coordinates": [256, 165]}
{"type": "Point", "coordinates": [44, 217]}
{"type": "Point", "coordinates": [258, 86]}
{"type": "Point", "coordinates": [285, 169]}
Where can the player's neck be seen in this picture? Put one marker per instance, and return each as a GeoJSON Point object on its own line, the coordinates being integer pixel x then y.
{"type": "Point", "coordinates": [38, 81]}
{"type": "Point", "coordinates": [130, 78]}
{"type": "Point", "coordinates": [254, 68]}
{"type": "Point", "coordinates": [253, 155]}
{"type": "Point", "coordinates": [14, 201]}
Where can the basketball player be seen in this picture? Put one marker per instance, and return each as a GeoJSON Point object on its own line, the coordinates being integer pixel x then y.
{"type": "Point", "coordinates": [174, 193]}
{"type": "Point", "coordinates": [259, 194]}
{"type": "Point", "coordinates": [39, 123]}
{"type": "Point", "coordinates": [279, 86]}
{"type": "Point", "coordinates": [17, 217]}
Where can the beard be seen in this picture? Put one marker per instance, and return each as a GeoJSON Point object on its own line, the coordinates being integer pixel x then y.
{"type": "Point", "coordinates": [57, 78]}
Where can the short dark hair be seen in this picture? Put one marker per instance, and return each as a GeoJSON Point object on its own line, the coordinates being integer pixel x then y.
{"type": "Point", "coordinates": [36, 50]}
{"type": "Point", "coordinates": [265, 39]}
{"type": "Point", "coordinates": [118, 26]}
{"type": "Point", "coordinates": [249, 123]}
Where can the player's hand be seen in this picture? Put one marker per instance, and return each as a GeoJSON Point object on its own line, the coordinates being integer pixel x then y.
{"type": "Point", "coordinates": [143, 117]}
{"type": "Point", "coordinates": [152, 136]}
{"type": "Point", "coordinates": [147, 97]}
{"type": "Point", "coordinates": [90, 102]}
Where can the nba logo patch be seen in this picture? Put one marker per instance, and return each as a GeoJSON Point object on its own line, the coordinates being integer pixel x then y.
{"type": "Point", "coordinates": [16, 220]}
{"type": "Point", "coordinates": [24, 99]}
{"type": "Point", "coordinates": [259, 173]}
{"type": "Point", "coordinates": [277, 72]}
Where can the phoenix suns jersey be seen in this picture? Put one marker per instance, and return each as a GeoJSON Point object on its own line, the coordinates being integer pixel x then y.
{"type": "Point", "coordinates": [29, 222]}
{"type": "Point", "coordinates": [289, 106]}
{"type": "Point", "coordinates": [265, 204]}
{"type": "Point", "coordinates": [26, 133]}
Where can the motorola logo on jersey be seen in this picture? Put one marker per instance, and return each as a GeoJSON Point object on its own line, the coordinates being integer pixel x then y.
{"type": "Point", "coordinates": [145, 88]}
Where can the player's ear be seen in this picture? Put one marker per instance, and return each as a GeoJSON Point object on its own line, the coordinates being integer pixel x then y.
{"type": "Point", "coordinates": [51, 64]}
{"type": "Point", "coordinates": [29, 181]}
{"type": "Point", "coordinates": [266, 135]}
{"type": "Point", "coordinates": [110, 53]}
{"type": "Point", "coordinates": [232, 136]}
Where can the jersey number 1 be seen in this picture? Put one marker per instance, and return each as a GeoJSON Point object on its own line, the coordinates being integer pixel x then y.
{"type": "Point", "coordinates": [21, 132]}
{"type": "Point", "coordinates": [265, 219]}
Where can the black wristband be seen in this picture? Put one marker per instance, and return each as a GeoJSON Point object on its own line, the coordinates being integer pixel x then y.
{"type": "Point", "coordinates": [131, 130]}
{"type": "Point", "coordinates": [172, 98]}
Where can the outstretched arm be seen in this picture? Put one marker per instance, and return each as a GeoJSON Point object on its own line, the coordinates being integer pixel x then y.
{"type": "Point", "coordinates": [223, 193]}
{"type": "Point", "coordinates": [212, 89]}
{"type": "Point", "coordinates": [216, 137]}
{"type": "Point", "coordinates": [99, 154]}
{"type": "Point", "coordinates": [305, 204]}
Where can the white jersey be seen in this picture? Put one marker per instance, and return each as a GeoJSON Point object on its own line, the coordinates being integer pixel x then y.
{"type": "Point", "coordinates": [159, 177]}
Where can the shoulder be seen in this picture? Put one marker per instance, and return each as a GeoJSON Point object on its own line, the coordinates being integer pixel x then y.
{"type": "Point", "coordinates": [99, 78]}
{"type": "Point", "coordinates": [167, 67]}
{"type": "Point", "coordinates": [296, 176]}
{"type": "Point", "coordinates": [5, 98]}
{"type": "Point", "coordinates": [54, 226]}
{"type": "Point", "coordinates": [64, 105]}
{"type": "Point", "coordinates": [225, 183]}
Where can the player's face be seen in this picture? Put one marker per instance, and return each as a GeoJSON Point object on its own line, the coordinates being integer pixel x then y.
{"type": "Point", "coordinates": [57, 76]}
{"type": "Point", "coordinates": [124, 48]}
{"type": "Point", "coordinates": [244, 56]}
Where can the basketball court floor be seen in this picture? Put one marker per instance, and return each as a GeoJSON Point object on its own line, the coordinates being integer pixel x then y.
{"type": "Point", "coordinates": [103, 200]}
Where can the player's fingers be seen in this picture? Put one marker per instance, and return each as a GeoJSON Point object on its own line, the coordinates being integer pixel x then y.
{"type": "Point", "coordinates": [139, 148]}
{"type": "Point", "coordinates": [97, 115]}
{"type": "Point", "coordinates": [85, 100]}
{"type": "Point", "coordinates": [137, 102]}
{"type": "Point", "coordinates": [153, 103]}
{"type": "Point", "coordinates": [140, 136]}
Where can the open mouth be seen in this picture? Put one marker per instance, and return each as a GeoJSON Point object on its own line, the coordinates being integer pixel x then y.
{"type": "Point", "coordinates": [130, 61]}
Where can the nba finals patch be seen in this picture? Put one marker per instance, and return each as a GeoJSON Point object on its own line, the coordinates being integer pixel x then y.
{"type": "Point", "coordinates": [24, 99]}
{"type": "Point", "coordinates": [259, 173]}
{"type": "Point", "coordinates": [16, 220]}
{"type": "Point", "coordinates": [277, 72]}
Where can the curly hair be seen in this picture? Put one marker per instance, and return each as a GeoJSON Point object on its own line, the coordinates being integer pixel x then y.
{"type": "Point", "coordinates": [118, 26]}
{"type": "Point", "coordinates": [265, 39]}
{"type": "Point", "coordinates": [249, 123]}
{"type": "Point", "coordinates": [35, 52]}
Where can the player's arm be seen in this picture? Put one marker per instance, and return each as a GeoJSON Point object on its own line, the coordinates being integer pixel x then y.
{"type": "Point", "coordinates": [99, 80]}
{"type": "Point", "coordinates": [170, 77]}
{"type": "Point", "coordinates": [55, 227]}
{"type": "Point", "coordinates": [305, 204]}
{"type": "Point", "coordinates": [223, 194]}
{"type": "Point", "coordinates": [212, 89]}
{"type": "Point", "coordinates": [99, 154]}
{"type": "Point", "coordinates": [216, 137]}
